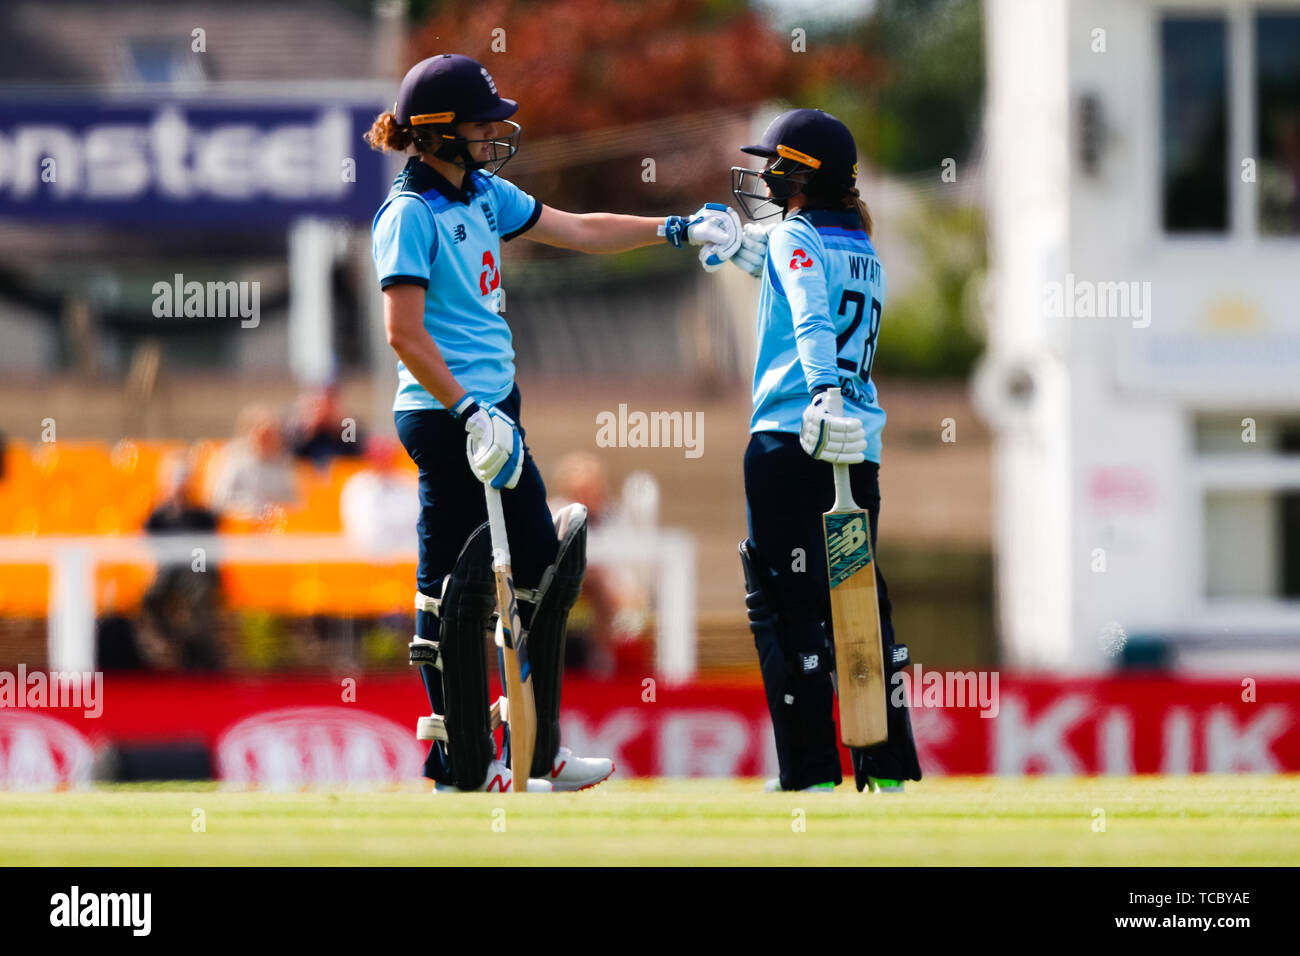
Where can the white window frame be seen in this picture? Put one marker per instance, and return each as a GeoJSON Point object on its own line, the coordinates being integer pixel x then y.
{"type": "Point", "coordinates": [1243, 198]}
{"type": "Point", "coordinates": [1231, 618]}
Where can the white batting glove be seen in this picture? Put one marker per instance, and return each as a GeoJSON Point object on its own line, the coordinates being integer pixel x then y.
{"type": "Point", "coordinates": [720, 234]}
{"type": "Point", "coordinates": [838, 439]}
{"type": "Point", "coordinates": [493, 445]}
{"type": "Point", "coordinates": [713, 225]}
{"type": "Point", "coordinates": [753, 249]}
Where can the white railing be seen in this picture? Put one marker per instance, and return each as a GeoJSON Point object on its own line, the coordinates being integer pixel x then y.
{"type": "Point", "coordinates": [73, 561]}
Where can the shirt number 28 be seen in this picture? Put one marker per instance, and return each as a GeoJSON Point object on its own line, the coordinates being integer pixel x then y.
{"type": "Point", "coordinates": [859, 301]}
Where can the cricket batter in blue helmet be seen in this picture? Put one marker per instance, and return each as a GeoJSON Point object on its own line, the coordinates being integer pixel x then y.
{"type": "Point", "coordinates": [437, 251]}
{"type": "Point", "coordinates": [819, 320]}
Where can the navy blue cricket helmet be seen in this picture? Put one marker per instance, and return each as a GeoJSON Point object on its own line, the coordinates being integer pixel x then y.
{"type": "Point", "coordinates": [447, 89]}
{"type": "Point", "coordinates": [813, 151]}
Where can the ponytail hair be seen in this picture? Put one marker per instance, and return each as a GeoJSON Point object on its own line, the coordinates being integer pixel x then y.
{"type": "Point", "coordinates": [387, 135]}
{"type": "Point", "coordinates": [853, 200]}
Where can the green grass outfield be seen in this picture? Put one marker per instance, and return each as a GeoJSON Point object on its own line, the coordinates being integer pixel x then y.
{"type": "Point", "coordinates": [948, 821]}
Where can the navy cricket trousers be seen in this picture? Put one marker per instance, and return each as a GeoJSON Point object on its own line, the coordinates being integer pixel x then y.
{"type": "Point", "coordinates": [786, 493]}
{"type": "Point", "coordinates": [452, 506]}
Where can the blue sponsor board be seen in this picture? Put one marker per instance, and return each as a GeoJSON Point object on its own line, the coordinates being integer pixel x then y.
{"type": "Point", "coordinates": [177, 161]}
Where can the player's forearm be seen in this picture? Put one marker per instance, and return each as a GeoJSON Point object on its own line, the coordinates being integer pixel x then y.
{"type": "Point", "coordinates": [425, 362]}
{"type": "Point", "coordinates": [407, 336]}
{"type": "Point", "coordinates": [610, 232]}
{"type": "Point", "coordinates": [595, 232]}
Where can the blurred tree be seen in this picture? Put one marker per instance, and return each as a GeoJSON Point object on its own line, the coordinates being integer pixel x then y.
{"type": "Point", "coordinates": [927, 105]}
{"type": "Point", "coordinates": [935, 329]}
{"type": "Point", "coordinates": [587, 64]}
{"type": "Point", "coordinates": [624, 80]}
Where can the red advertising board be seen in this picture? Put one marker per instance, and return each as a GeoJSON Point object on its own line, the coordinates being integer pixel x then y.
{"type": "Point", "coordinates": [291, 731]}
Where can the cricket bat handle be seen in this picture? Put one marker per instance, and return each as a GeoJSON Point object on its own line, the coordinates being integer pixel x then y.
{"type": "Point", "coordinates": [843, 486]}
{"type": "Point", "coordinates": [497, 529]}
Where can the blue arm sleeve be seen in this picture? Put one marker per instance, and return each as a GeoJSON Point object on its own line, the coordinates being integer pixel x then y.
{"type": "Point", "coordinates": [795, 255]}
{"type": "Point", "coordinates": [404, 243]}
{"type": "Point", "coordinates": [516, 210]}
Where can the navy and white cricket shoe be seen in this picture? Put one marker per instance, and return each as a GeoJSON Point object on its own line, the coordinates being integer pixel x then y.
{"type": "Point", "coordinates": [498, 780]}
{"type": "Point", "coordinates": [570, 773]}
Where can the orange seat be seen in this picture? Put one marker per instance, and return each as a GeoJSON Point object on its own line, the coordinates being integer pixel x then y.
{"type": "Point", "coordinates": [18, 462]}
{"type": "Point", "coordinates": [317, 510]}
{"type": "Point", "coordinates": [24, 590]}
{"type": "Point", "coordinates": [13, 498]}
{"type": "Point", "coordinates": [341, 469]}
{"type": "Point", "coordinates": [301, 590]}
{"type": "Point", "coordinates": [66, 459]}
{"type": "Point", "coordinates": [351, 589]}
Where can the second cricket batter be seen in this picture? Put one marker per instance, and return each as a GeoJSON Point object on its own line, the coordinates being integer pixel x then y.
{"type": "Point", "coordinates": [819, 319]}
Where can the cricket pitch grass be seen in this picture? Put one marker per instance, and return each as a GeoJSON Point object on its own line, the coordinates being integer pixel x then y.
{"type": "Point", "coordinates": [1143, 821]}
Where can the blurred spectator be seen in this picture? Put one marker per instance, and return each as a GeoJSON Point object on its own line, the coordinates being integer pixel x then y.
{"type": "Point", "coordinates": [254, 474]}
{"type": "Point", "coordinates": [380, 505]}
{"type": "Point", "coordinates": [319, 430]}
{"type": "Point", "coordinates": [609, 618]}
{"type": "Point", "coordinates": [180, 609]}
{"type": "Point", "coordinates": [179, 509]}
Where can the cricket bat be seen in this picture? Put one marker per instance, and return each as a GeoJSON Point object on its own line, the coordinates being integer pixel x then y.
{"type": "Point", "coordinates": [519, 676]}
{"type": "Point", "coordinates": [855, 611]}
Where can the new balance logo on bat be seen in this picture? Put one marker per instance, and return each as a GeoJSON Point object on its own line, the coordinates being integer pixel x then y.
{"type": "Point", "coordinates": [850, 538]}
{"type": "Point", "coordinates": [847, 548]}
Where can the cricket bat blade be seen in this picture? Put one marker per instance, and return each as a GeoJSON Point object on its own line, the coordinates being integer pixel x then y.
{"type": "Point", "coordinates": [855, 613]}
{"type": "Point", "coordinates": [521, 708]}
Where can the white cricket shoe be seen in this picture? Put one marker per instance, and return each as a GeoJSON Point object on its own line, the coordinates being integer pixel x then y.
{"type": "Point", "coordinates": [774, 786]}
{"type": "Point", "coordinates": [498, 780]}
{"type": "Point", "coordinates": [578, 773]}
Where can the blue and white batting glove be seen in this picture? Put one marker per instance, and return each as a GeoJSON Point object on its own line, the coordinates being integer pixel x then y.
{"type": "Point", "coordinates": [493, 445]}
{"type": "Point", "coordinates": [716, 251]}
{"type": "Point", "coordinates": [838, 439]}
{"type": "Point", "coordinates": [753, 249]}
{"type": "Point", "coordinates": [713, 224]}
